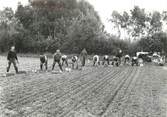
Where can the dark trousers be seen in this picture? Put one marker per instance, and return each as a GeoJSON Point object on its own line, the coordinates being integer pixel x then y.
{"type": "Point", "coordinates": [119, 60]}
{"type": "Point", "coordinates": [73, 64]}
{"type": "Point", "coordinates": [134, 62]}
{"type": "Point", "coordinates": [106, 60]}
{"type": "Point", "coordinates": [83, 61]}
{"type": "Point", "coordinates": [44, 63]}
{"type": "Point", "coordinates": [14, 64]}
{"type": "Point", "coordinates": [65, 61]}
{"type": "Point", "coordinates": [94, 62]}
{"type": "Point", "coordinates": [126, 60]}
{"type": "Point", "coordinates": [57, 61]}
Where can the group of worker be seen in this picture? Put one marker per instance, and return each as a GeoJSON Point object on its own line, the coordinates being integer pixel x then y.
{"type": "Point", "coordinates": [115, 60]}
{"type": "Point", "coordinates": [57, 58]}
{"type": "Point", "coordinates": [62, 60]}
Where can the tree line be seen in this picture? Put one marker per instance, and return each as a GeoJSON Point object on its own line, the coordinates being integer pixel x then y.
{"type": "Point", "coordinates": [145, 30]}
{"type": "Point", "coordinates": [71, 25]}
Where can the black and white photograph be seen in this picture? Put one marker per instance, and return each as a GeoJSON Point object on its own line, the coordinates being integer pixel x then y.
{"type": "Point", "coordinates": [83, 58]}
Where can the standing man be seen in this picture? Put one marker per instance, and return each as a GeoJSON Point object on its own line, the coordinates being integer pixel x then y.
{"type": "Point", "coordinates": [119, 55]}
{"type": "Point", "coordinates": [83, 56]}
{"type": "Point", "coordinates": [57, 59]}
{"type": "Point", "coordinates": [12, 58]}
{"type": "Point", "coordinates": [43, 61]}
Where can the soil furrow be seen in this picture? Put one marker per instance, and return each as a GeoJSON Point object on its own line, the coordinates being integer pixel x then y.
{"type": "Point", "coordinates": [79, 103]}
{"type": "Point", "coordinates": [41, 91]}
{"type": "Point", "coordinates": [80, 88]}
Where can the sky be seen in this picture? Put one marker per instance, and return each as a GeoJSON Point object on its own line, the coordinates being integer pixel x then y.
{"type": "Point", "coordinates": [105, 7]}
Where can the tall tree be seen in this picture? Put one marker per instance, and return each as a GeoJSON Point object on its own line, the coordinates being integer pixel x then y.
{"type": "Point", "coordinates": [138, 23]}
{"type": "Point", "coordinates": [9, 26]}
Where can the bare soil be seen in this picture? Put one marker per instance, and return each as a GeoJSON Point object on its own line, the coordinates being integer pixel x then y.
{"type": "Point", "coordinates": [123, 91]}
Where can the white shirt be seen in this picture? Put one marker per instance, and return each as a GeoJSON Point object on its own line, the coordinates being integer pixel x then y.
{"type": "Point", "coordinates": [135, 57]}
{"type": "Point", "coordinates": [106, 56]}
{"type": "Point", "coordinates": [96, 56]}
{"type": "Point", "coordinates": [64, 56]}
{"type": "Point", "coordinates": [127, 56]}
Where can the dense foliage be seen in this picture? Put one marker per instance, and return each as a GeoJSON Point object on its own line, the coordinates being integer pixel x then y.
{"type": "Point", "coordinates": [46, 25]}
{"type": "Point", "coordinates": [71, 25]}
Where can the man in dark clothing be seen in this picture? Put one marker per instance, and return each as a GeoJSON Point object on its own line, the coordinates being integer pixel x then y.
{"type": "Point", "coordinates": [119, 55]}
{"type": "Point", "coordinates": [106, 59]}
{"type": "Point", "coordinates": [115, 61]}
{"type": "Point", "coordinates": [83, 56]}
{"type": "Point", "coordinates": [57, 59]}
{"type": "Point", "coordinates": [12, 58]}
{"type": "Point", "coordinates": [43, 61]}
{"type": "Point", "coordinates": [134, 61]}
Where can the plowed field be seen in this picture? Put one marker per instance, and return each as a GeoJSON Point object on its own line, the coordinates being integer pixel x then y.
{"type": "Point", "coordinates": [123, 91]}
